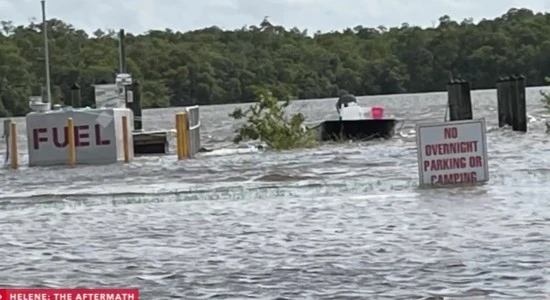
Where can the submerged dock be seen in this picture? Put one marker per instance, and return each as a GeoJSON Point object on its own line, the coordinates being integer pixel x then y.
{"type": "Point", "coordinates": [150, 142]}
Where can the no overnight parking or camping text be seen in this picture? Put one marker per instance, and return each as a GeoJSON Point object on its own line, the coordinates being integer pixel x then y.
{"type": "Point", "coordinates": [452, 160]}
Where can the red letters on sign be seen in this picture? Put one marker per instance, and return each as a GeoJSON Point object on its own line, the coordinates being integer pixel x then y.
{"type": "Point", "coordinates": [56, 137]}
{"type": "Point", "coordinates": [81, 136]}
{"type": "Point", "coordinates": [476, 162]}
{"type": "Point", "coordinates": [450, 133]}
{"type": "Point", "coordinates": [98, 140]}
{"type": "Point", "coordinates": [445, 164]}
{"type": "Point", "coordinates": [454, 178]}
{"type": "Point", "coordinates": [451, 148]}
{"type": "Point", "coordinates": [36, 136]}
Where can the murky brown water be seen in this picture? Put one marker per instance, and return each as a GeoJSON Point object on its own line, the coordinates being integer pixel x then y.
{"type": "Point", "coordinates": [338, 222]}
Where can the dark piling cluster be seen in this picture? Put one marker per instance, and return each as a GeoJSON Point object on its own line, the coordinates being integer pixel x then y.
{"type": "Point", "coordinates": [459, 100]}
{"type": "Point", "coordinates": [512, 110]}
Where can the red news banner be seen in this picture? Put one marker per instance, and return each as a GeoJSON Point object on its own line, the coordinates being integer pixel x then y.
{"type": "Point", "coordinates": [69, 294]}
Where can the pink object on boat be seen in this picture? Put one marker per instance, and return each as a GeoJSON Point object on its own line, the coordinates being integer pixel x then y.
{"type": "Point", "coordinates": [377, 112]}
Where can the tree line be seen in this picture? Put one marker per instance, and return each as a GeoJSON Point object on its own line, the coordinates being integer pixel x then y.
{"type": "Point", "coordinates": [213, 66]}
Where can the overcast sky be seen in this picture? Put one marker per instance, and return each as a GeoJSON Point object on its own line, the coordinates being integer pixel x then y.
{"type": "Point", "coordinates": [138, 16]}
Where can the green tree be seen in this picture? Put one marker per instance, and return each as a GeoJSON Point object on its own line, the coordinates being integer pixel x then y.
{"type": "Point", "coordinates": [267, 121]}
{"type": "Point", "coordinates": [214, 66]}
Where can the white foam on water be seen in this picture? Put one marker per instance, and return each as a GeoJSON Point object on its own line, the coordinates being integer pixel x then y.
{"type": "Point", "coordinates": [382, 196]}
{"type": "Point", "coordinates": [221, 152]}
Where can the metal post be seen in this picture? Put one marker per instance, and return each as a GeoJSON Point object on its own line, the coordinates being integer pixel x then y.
{"type": "Point", "coordinates": [46, 54]}
{"type": "Point", "coordinates": [121, 52]}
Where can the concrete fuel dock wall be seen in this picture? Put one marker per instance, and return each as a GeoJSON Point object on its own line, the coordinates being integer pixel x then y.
{"type": "Point", "coordinates": [98, 136]}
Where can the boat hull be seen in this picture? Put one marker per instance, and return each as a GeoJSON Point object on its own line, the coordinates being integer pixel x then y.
{"type": "Point", "coordinates": [356, 129]}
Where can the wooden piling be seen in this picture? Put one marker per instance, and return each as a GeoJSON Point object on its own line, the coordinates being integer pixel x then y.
{"type": "Point", "coordinates": [459, 100]}
{"type": "Point", "coordinates": [452, 100]}
{"type": "Point", "coordinates": [519, 121]}
{"type": "Point", "coordinates": [6, 136]}
{"type": "Point", "coordinates": [513, 102]}
{"type": "Point", "coordinates": [512, 109]}
{"type": "Point", "coordinates": [466, 101]}
{"type": "Point", "coordinates": [75, 95]}
{"type": "Point", "coordinates": [503, 102]}
{"type": "Point", "coordinates": [509, 98]}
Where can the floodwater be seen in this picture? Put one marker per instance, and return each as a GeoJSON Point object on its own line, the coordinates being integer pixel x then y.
{"type": "Point", "coordinates": [343, 221]}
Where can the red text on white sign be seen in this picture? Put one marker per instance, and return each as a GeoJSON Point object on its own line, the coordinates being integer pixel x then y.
{"type": "Point", "coordinates": [455, 164]}
{"type": "Point", "coordinates": [82, 136]}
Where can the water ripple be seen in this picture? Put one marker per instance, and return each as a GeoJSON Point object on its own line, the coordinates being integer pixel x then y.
{"type": "Point", "coordinates": [343, 221]}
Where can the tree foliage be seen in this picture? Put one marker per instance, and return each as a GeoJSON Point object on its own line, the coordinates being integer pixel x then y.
{"type": "Point", "coordinates": [267, 121]}
{"type": "Point", "coordinates": [212, 66]}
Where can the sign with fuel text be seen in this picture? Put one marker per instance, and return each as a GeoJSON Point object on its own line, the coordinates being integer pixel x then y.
{"type": "Point", "coordinates": [97, 136]}
{"type": "Point", "coordinates": [452, 153]}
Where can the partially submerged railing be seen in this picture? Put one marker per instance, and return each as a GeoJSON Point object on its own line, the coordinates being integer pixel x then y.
{"type": "Point", "coordinates": [188, 137]}
{"type": "Point", "coordinates": [194, 129]}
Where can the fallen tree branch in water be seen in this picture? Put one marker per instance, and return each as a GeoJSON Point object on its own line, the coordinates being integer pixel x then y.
{"type": "Point", "coordinates": [267, 121]}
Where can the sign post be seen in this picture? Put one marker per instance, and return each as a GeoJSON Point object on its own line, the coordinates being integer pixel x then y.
{"type": "Point", "coordinates": [452, 153]}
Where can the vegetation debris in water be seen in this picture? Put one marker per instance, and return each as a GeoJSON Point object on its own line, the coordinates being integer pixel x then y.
{"type": "Point", "coordinates": [267, 121]}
